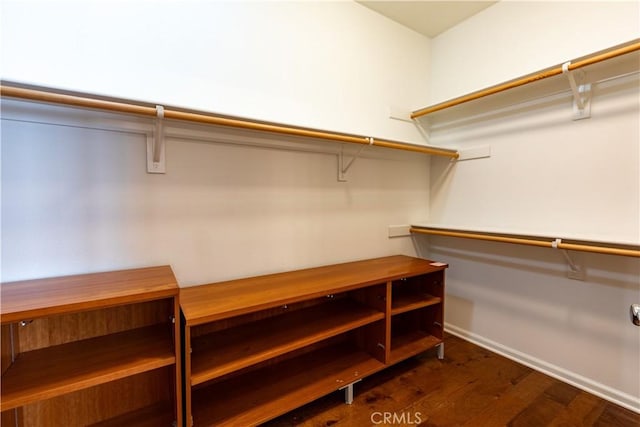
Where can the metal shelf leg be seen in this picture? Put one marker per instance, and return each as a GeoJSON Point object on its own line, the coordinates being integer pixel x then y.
{"type": "Point", "coordinates": [348, 392]}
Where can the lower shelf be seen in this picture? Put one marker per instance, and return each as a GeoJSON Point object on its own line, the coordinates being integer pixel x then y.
{"type": "Point", "coordinates": [410, 344]}
{"type": "Point", "coordinates": [142, 400]}
{"type": "Point", "coordinates": [54, 371]}
{"type": "Point", "coordinates": [227, 351]}
{"type": "Point", "coordinates": [160, 414]}
{"type": "Point", "coordinates": [258, 396]}
{"type": "Point", "coordinates": [402, 303]}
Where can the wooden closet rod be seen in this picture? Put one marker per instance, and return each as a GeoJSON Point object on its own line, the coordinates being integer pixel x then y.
{"type": "Point", "coordinates": [132, 108]}
{"type": "Point", "coordinates": [554, 71]}
{"type": "Point", "coordinates": [530, 242]}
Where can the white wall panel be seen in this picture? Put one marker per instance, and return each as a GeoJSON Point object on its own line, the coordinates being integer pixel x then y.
{"type": "Point", "coordinates": [546, 175]}
{"type": "Point", "coordinates": [517, 300]}
{"type": "Point", "coordinates": [329, 65]}
{"type": "Point", "coordinates": [79, 200]}
{"type": "Point", "coordinates": [513, 38]}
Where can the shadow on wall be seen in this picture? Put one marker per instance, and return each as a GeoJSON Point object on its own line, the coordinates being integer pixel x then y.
{"type": "Point", "coordinates": [608, 270]}
{"type": "Point", "coordinates": [519, 299]}
{"type": "Point", "coordinates": [551, 111]}
{"type": "Point", "coordinates": [493, 287]}
{"type": "Point", "coordinates": [464, 311]}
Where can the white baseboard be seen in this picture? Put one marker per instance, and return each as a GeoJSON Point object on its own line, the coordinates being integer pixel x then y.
{"type": "Point", "coordinates": [615, 396]}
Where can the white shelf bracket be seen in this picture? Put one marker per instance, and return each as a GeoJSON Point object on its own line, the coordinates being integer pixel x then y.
{"type": "Point", "coordinates": [574, 270]}
{"type": "Point", "coordinates": [155, 145]}
{"type": "Point", "coordinates": [342, 167]}
{"type": "Point", "coordinates": [581, 94]}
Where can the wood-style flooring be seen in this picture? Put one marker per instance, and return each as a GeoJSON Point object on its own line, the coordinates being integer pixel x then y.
{"type": "Point", "coordinates": [470, 387]}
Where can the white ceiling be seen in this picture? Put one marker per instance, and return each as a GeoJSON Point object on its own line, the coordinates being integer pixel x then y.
{"type": "Point", "coordinates": [427, 17]}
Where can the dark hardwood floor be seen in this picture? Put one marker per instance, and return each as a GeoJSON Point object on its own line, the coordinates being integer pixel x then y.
{"type": "Point", "coordinates": [470, 387]}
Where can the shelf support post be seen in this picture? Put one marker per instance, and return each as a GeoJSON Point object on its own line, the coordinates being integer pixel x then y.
{"type": "Point", "coordinates": [155, 145]}
{"type": "Point", "coordinates": [581, 94]}
{"type": "Point", "coordinates": [441, 351]}
{"type": "Point", "coordinates": [348, 392]}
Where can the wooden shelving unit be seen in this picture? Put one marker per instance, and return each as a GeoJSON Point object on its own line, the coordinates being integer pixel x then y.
{"type": "Point", "coordinates": [259, 347]}
{"type": "Point", "coordinates": [417, 314]}
{"type": "Point", "coordinates": [228, 350]}
{"type": "Point", "coordinates": [258, 396]}
{"type": "Point", "coordinates": [93, 349]}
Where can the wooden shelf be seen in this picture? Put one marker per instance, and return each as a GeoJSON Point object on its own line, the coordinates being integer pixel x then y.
{"type": "Point", "coordinates": [401, 303]}
{"type": "Point", "coordinates": [52, 371]}
{"type": "Point", "coordinates": [30, 299]}
{"type": "Point", "coordinates": [410, 344]}
{"type": "Point", "coordinates": [259, 396]}
{"type": "Point", "coordinates": [222, 352]}
{"type": "Point", "coordinates": [249, 295]}
{"type": "Point", "coordinates": [160, 414]}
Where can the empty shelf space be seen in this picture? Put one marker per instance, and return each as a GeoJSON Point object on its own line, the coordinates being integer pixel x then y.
{"type": "Point", "coordinates": [258, 396]}
{"type": "Point", "coordinates": [411, 343]}
{"type": "Point", "coordinates": [53, 371]}
{"type": "Point", "coordinates": [403, 302]}
{"type": "Point", "coordinates": [160, 414]}
{"type": "Point", "coordinates": [225, 351]}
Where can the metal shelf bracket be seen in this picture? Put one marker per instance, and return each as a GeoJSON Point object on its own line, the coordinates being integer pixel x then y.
{"type": "Point", "coordinates": [155, 145]}
{"type": "Point", "coordinates": [342, 167]}
{"type": "Point", "coordinates": [581, 94]}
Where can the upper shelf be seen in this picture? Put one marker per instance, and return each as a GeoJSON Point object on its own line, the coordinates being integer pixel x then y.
{"type": "Point", "coordinates": [48, 95]}
{"type": "Point", "coordinates": [613, 62]}
{"type": "Point", "coordinates": [58, 295]}
{"type": "Point", "coordinates": [546, 240]}
{"type": "Point", "coordinates": [241, 296]}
